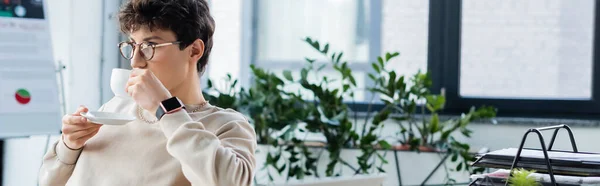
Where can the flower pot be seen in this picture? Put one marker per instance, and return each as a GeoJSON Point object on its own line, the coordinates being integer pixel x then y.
{"type": "Point", "coordinates": [406, 147]}
{"type": "Point", "coordinates": [414, 166]}
{"type": "Point", "coordinates": [356, 180]}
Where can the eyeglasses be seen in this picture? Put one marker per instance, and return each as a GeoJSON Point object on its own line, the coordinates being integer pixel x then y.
{"type": "Point", "coordinates": [146, 49]}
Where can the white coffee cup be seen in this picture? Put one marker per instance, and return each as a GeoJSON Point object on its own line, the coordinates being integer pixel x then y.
{"type": "Point", "coordinates": [118, 81]}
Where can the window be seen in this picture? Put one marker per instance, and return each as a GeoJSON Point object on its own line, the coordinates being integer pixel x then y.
{"type": "Point", "coordinates": [283, 25]}
{"type": "Point", "coordinates": [362, 29]}
{"type": "Point", "coordinates": [541, 49]}
{"type": "Point", "coordinates": [405, 30]}
{"type": "Point", "coordinates": [531, 58]}
{"type": "Point", "coordinates": [527, 59]}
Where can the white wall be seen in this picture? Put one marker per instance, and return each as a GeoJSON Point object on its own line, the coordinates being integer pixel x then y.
{"type": "Point", "coordinates": [22, 160]}
{"type": "Point", "coordinates": [226, 54]}
{"type": "Point", "coordinates": [510, 135]}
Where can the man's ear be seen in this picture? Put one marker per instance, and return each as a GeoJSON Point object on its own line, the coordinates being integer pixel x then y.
{"type": "Point", "coordinates": [197, 50]}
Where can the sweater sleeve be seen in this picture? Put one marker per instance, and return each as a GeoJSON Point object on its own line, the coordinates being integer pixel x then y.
{"type": "Point", "coordinates": [58, 163]}
{"type": "Point", "coordinates": [223, 157]}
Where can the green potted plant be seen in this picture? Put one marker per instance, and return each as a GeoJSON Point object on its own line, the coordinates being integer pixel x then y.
{"type": "Point", "coordinates": [416, 111]}
{"type": "Point", "coordinates": [270, 107]}
{"type": "Point", "coordinates": [328, 114]}
{"type": "Point", "coordinates": [407, 101]}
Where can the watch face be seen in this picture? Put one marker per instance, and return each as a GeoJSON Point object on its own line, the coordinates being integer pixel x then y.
{"type": "Point", "coordinates": [171, 104]}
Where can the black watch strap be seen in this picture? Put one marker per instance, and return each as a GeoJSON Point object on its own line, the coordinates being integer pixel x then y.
{"type": "Point", "coordinates": [160, 112]}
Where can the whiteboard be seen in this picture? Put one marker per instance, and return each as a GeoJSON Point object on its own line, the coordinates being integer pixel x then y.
{"type": "Point", "coordinates": [29, 96]}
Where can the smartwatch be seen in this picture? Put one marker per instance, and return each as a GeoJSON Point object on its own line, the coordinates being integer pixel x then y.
{"type": "Point", "coordinates": [169, 106]}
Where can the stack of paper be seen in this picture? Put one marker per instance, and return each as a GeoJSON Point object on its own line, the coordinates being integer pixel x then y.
{"type": "Point", "coordinates": [569, 168]}
{"type": "Point", "coordinates": [565, 163]}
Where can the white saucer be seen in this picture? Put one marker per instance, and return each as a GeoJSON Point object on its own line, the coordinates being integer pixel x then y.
{"type": "Point", "coordinates": [108, 118]}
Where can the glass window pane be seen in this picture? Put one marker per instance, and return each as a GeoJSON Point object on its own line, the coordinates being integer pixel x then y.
{"type": "Point", "coordinates": [404, 29]}
{"type": "Point", "coordinates": [283, 24]}
{"type": "Point", "coordinates": [535, 49]}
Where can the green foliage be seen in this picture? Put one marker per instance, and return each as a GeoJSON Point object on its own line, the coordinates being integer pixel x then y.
{"type": "Point", "coordinates": [416, 110]}
{"type": "Point", "coordinates": [328, 111]}
{"type": "Point", "coordinates": [521, 177]}
{"type": "Point", "coordinates": [269, 107]}
{"type": "Point", "coordinates": [408, 101]}
{"type": "Point", "coordinates": [227, 98]}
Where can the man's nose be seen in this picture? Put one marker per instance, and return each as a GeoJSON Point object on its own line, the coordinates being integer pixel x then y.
{"type": "Point", "coordinates": [138, 61]}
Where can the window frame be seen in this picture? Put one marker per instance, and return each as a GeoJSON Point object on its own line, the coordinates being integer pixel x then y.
{"type": "Point", "coordinates": [445, 48]}
{"type": "Point", "coordinates": [1, 161]}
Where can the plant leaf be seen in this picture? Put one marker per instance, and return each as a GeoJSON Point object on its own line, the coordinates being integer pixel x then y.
{"type": "Point", "coordinates": [288, 75]}
{"type": "Point", "coordinates": [454, 157]}
{"type": "Point", "coordinates": [293, 159]}
{"type": "Point", "coordinates": [209, 84]}
{"type": "Point", "coordinates": [376, 90]}
{"type": "Point", "coordinates": [316, 45]}
{"type": "Point", "coordinates": [234, 83]}
{"type": "Point", "coordinates": [339, 57]}
{"type": "Point", "coordinates": [376, 68]}
{"type": "Point", "coordinates": [389, 56]}
{"type": "Point", "coordinates": [384, 144]}
{"type": "Point", "coordinates": [299, 173]}
{"type": "Point", "coordinates": [270, 159]}
{"type": "Point", "coordinates": [282, 168]}
{"type": "Point", "coordinates": [276, 158]}
{"type": "Point", "coordinates": [333, 57]}
{"type": "Point", "coordinates": [435, 121]}
{"type": "Point", "coordinates": [321, 67]}
{"type": "Point", "coordinates": [391, 82]}
{"type": "Point", "coordinates": [346, 87]}
{"type": "Point", "coordinates": [445, 134]}
{"type": "Point", "coordinates": [400, 118]}
{"type": "Point", "coordinates": [325, 49]}
{"type": "Point", "coordinates": [478, 170]}
{"type": "Point", "coordinates": [351, 78]}
{"type": "Point", "coordinates": [435, 102]}
{"type": "Point", "coordinates": [308, 40]}
{"type": "Point", "coordinates": [372, 77]}
{"type": "Point", "coordinates": [382, 158]}
{"type": "Point", "coordinates": [304, 74]}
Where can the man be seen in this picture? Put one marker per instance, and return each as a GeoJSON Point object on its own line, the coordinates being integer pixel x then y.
{"type": "Point", "coordinates": [178, 139]}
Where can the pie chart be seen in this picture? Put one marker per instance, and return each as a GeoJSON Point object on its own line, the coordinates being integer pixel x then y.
{"type": "Point", "coordinates": [22, 96]}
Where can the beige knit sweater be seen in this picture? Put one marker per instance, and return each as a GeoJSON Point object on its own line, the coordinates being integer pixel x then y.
{"type": "Point", "coordinates": [211, 147]}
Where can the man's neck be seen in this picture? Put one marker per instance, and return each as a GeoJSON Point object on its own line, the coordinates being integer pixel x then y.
{"type": "Point", "coordinates": [189, 91]}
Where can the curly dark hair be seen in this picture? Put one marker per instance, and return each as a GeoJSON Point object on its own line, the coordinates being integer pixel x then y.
{"type": "Point", "coordinates": [188, 19]}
